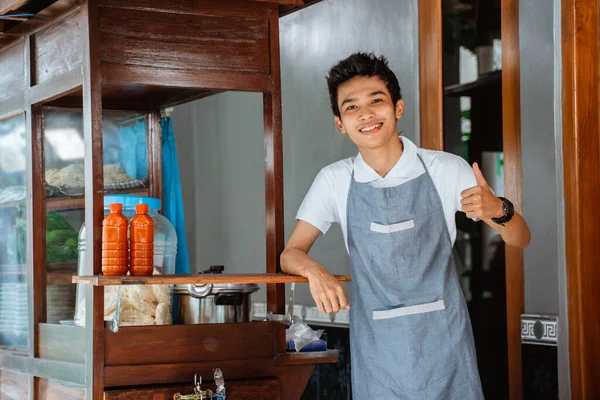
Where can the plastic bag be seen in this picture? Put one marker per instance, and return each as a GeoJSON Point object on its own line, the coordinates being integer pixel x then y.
{"type": "Point", "coordinates": [301, 334]}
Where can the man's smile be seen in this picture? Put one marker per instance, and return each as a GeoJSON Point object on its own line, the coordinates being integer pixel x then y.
{"type": "Point", "coordinates": [371, 128]}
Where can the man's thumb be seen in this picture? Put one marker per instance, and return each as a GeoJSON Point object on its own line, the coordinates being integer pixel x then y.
{"type": "Point", "coordinates": [479, 176]}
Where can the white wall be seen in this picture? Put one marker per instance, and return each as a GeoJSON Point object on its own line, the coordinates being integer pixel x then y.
{"type": "Point", "coordinates": [220, 139]}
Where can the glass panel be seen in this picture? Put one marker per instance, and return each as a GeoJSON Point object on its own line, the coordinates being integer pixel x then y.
{"type": "Point", "coordinates": [13, 234]}
{"type": "Point", "coordinates": [125, 171]}
{"type": "Point", "coordinates": [13, 386]}
{"type": "Point", "coordinates": [49, 389]}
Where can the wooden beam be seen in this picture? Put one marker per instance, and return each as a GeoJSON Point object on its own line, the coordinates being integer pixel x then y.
{"type": "Point", "coordinates": [430, 75]}
{"type": "Point", "coordinates": [36, 226]}
{"type": "Point", "coordinates": [156, 374]}
{"type": "Point", "coordinates": [94, 196]}
{"type": "Point", "coordinates": [200, 279]}
{"type": "Point", "coordinates": [61, 85]}
{"type": "Point", "coordinates": [190, 79]}
{"type": "Point", "coordinates": [12, 106]}
{"type": "Point", "coordinates": [275, 230]}
{"type": "Point", "coordinates": [513, 188]}
{"type": "Point", "coordinates": [49, 369]}
{"type": "Point", "coordinates": [9, 5]}
{"type": "Point", "coordinates": [581, 152]}
{"type": "Point", "coordinates": [154, 140]}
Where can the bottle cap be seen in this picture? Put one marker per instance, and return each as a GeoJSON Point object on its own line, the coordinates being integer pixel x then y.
{"type": "Point", "coordinates": [116, 207]}
{"type": "Point", "coordinates": [141, 208]}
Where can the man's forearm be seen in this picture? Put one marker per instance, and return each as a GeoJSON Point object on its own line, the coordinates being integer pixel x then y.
{"type": "Point", "coordinates": [514, 233]}
{"type": "Point", "coordinates": [297, 262]}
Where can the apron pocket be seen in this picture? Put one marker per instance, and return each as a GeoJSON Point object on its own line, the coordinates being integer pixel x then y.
{"type": "Point", "coordinates": [401, 226]}
{"type": "Point", "coordinates": [418, 339]}
{"type": "Point", "coordinates": [398, 247]}
{"type": "Point", "coordinates": [410, 310]}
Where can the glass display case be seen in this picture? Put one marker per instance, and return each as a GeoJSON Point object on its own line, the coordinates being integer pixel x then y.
{"type": "Point", "coordinates": [13, 235]}
{"type": "Point", "coordinates": [125, 167]}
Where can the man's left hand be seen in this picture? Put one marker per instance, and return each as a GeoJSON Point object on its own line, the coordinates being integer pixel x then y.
{"type": "Point", "coordinates": [479, 201]}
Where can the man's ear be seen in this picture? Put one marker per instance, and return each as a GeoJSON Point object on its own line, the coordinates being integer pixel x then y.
{"type": "Point", "coordinates": [340, 126]}
{"type": "Point", "coordinates": [399, 109]}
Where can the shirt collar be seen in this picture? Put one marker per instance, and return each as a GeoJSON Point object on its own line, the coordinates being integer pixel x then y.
{"type": "Point", "coordinates": [363, 173]}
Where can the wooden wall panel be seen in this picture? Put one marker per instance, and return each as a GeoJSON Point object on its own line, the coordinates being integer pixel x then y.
{"type": "Point", "coordinates": [48, 389]}
{"type": "Point", "coordinates": [12, 76]}
{"type": "Point", "coordinates": [57, 50]}
{"type": "Point", "coordinates": [189, 343]}
{"type": "Point", "coordinates": [581, 152]}
{"type": "Point", "coordinates": [170, 40]}
{"type": "Point", "coordinates": [234, 8]}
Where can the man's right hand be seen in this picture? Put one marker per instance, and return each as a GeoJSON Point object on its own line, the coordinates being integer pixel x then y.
{"type": "Point", "coordinates": [326, 290]}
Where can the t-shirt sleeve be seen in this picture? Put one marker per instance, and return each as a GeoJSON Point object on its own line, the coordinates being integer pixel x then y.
{"type": "Point", "coordinates": [465, 179]}
{"type": "Point", "coordinates": [318, 207]}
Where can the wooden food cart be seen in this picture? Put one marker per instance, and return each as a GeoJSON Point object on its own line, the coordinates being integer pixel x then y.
{"type": "Point", "coordinates": [104, 58]}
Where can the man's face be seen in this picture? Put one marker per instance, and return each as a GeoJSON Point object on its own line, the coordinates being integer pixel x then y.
{"type": "Point", "coordinates": [367, 113]}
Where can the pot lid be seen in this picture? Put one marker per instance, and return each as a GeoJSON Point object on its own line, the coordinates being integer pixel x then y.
{"type": "Point", "coordinates": [198, 290]}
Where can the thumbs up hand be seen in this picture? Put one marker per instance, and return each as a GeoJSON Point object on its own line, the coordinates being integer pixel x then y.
{"type": "Point", "coordinates": [479, 201]}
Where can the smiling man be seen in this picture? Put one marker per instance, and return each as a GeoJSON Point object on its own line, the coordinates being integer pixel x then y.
{"type": "Point", "coordinates": [410, 333]}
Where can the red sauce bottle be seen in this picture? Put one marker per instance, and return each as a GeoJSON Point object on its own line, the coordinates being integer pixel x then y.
{"type": "Point", "coordinates": [114, 242]}
{"type": "Point", "coordinates": [141, 242]}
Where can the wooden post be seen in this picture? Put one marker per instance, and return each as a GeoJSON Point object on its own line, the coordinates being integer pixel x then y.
{"type": "Point", "coordinates": [154, 138]}
{"type": "Point", "coordinates": [581, 152]}
{"type": "Point", "coordinates": [513, 188]}
{"type": "Point", "coordinates": [431, 118]}
{"type": "Point", "coordinates": [274, 181]}
{"type": "Point", "coordinates": [94, 197]}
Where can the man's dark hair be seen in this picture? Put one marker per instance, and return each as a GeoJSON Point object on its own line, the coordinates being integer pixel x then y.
{"type": "Point", "coordinates": [361, 64]}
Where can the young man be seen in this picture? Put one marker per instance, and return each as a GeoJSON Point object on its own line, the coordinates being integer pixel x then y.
{"type": "Point", "coordinates": [410, 333]}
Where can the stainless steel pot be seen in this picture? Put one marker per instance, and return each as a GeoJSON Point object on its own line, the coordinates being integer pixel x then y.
{"type": "Point", "coordinates": [212, 304]}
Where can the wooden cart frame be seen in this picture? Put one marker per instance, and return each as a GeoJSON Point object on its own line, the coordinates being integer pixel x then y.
{"type": "Point", "coordinates": [110, 55]}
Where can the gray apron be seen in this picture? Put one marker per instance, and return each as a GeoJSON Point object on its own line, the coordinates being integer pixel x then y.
{"type": "Point", "coordinates": [410, 333]}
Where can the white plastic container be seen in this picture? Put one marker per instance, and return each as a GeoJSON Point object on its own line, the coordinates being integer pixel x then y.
{"type": "Point", "coordinates": [165, 242]}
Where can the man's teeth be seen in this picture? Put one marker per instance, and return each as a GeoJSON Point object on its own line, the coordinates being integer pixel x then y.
{"type": "Point", "coordinates": [370, 128]}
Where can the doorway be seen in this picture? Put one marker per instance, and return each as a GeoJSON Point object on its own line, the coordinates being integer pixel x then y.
{"type": "Point", "coordinates": [501, 377]}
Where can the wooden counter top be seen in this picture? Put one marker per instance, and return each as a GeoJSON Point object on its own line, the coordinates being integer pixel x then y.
{"type": "Point", "coordinates": [310, 357]}
{"type": "Point", "coordinates": [100, 280]}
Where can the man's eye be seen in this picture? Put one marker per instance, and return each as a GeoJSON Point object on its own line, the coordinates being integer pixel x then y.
{"type": "Point", "coordinates": [377, 101]}
{"type": "Point", "coordinates": [351, 108]}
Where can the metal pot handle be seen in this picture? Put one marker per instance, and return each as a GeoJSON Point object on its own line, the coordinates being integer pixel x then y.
{"type": "Point", "coordinates": [199, 290]}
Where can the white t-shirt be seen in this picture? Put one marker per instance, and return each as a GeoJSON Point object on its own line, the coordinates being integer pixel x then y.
{"type": "Point", "coordinates": [325, 202]}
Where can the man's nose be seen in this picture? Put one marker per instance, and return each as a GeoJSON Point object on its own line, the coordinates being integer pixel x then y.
{"type": "Point", "coordinates": [366, 114]}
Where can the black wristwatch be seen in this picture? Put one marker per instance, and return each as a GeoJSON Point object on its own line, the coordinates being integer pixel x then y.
{"type": "Point", "coordinates": [509, 211]}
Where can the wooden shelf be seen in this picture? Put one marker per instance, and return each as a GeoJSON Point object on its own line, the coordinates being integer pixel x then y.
{"type": "Point", "coordinates": [64, 203]}
{"type": "Point", "coordinates": [309, 357]}
{"type": "Point", "coordinates": [467, 89]}
{"type": "Point", "coordinates": [76, 203]}
{"type": "Point", "coordinates": [100, 280]}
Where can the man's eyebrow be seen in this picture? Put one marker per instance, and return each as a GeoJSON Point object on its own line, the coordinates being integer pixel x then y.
{"type": "Point", "coordinates": [352, 99]}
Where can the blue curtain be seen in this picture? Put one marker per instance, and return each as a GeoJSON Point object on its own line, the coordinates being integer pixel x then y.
{"type": "Point", "coordinates": [133, 158]}
{"type": "Point", "coordinates": [172, 200]}
{"type": "Point", "coordinates": [133, 145]}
